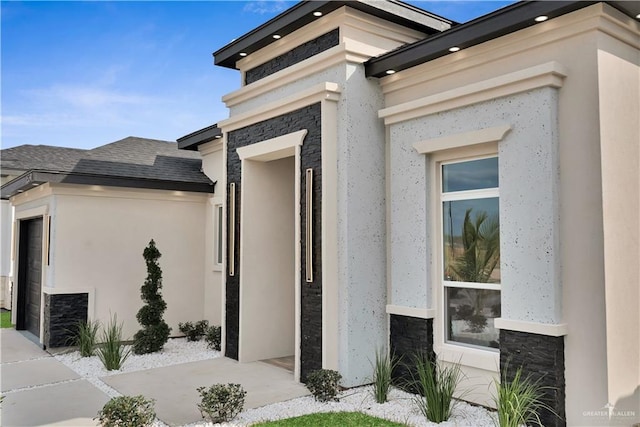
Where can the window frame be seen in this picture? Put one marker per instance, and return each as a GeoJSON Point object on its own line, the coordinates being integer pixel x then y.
{"type": "Point", "coordinates": [485, 358]}
{"type": "Point", "coordinates": [218, 244]}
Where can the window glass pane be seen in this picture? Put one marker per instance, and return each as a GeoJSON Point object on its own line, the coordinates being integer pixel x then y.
{"type": "Point", "coordinates": [472, 175]}
{"type": "Point", "coordinates": [471, 240]}
{"type": "Point", "coordinates": [219, 253]}
{"type": "Point", "coordinates": [470, 315]}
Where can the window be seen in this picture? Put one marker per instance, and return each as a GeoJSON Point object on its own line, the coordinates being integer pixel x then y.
{"type": "Point", "coordinates": [218, 226]}
{"type": "Point", "coordinates": [470, 231]}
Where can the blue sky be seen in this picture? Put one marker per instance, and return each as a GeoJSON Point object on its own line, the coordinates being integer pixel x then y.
{"type": "Point", "coordinates": [83, 74]}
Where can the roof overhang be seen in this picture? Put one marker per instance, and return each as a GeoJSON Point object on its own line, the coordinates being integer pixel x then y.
{"type": "Point", "coordinates": [303, 13]}
{"type": "Point", "coordinates": [34, 178]}
{"type": "Point", "coordinates": [499, 23]}
{"type": "Point", "coordinates": [199, 137]}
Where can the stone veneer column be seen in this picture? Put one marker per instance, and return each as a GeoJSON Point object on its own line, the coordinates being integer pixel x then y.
{"type": "Point", "coordinates": [409, 337]}
{"type": "Point", "coordinates": [62, 313]}
{"type": "Point", "coordinates": [542, 359]}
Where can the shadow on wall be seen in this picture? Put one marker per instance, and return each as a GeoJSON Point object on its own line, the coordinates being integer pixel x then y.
{"type": "Point", "coordinates": [626, 410]}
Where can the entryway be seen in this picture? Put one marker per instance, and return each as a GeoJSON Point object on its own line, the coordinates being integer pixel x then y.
{"type": "Point", "coordinates": [29, 276]}
{"type": "Point", "coordinates": [268, 253]}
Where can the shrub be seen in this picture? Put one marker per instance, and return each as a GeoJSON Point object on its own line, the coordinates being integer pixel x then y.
{"type": "Point", "coordinates": [127, 411]}
{"type": "Point", "coordinates": [155, 331]}
{"type": "Point", "coordinates": [221, 402]}
{"type": "Point", "coordinates": [112, 353]}
{"type": "Point", "coordinates": [194, 332]}
{"type": "Point", "coordinates": [519, 400]}
{"type": "Point", "coordinates": [436, 384]}
{"type": "Point", "coordinates": [324, 384]}
{"type": "Point", "coordinates": [85, 337]}
{"type": "Point", "coordinates": [214, 337]}
{"type": "Point", "coordinates": [382, 370]}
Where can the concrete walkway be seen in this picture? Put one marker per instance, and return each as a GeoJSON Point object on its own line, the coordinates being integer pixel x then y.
{"type": "Point", "coordinates": [39, 390]}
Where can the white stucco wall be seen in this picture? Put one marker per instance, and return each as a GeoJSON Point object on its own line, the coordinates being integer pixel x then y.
{"type": "Point", "coordinates": [6, 221]}
{"type": "Point", "coordinates": [99, 234]}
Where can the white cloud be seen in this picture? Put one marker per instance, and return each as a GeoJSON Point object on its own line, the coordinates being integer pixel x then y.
{"type": "Point", "coordinates": [262, 7]}
{"type": "Point", "coordinates": [88, 96]}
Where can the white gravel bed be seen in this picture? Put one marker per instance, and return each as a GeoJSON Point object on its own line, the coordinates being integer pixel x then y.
{"type": "Point", "coordinates": [400, 408]}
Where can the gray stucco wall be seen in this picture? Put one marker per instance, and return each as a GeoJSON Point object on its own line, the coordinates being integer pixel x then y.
{"type": "Point", "coordinates": [529, 211]}
{"type": "Point", "coordinates": [361, 226]}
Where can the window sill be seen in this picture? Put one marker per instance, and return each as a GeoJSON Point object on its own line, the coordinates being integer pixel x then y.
{"type": "Point", "coordinates": [217, 268]}
{"type": "Point", "coordinates": [482, 359]}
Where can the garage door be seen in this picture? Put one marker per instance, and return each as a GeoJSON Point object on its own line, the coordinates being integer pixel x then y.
{"type": "Point", "coordinates": [30, 275]}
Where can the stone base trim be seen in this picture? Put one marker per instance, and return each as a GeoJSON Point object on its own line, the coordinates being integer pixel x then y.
{"type": "Point", "coordinates": [541, 358]}
{"type": "Point", "coordinates": [556, 330]}
{"type": "Point", "coordinates": [410, 337]}
{"type": "Point", "coordinates": [62, 313]}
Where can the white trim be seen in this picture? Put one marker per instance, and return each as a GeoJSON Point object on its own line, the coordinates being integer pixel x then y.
{"type": "Point", "coordinates": [552, 330]}
{"type": "Point", "coordinates": [469, 356]}
{"type": "Point", "coordinates": [39, 211]}
{"type": "Point", "coordinates": [317, 93]}
{"type": "Point", "coordinates": [493, 134]}
{"type": "Point", "coordinates": [274, 148]}
{"type": "Point", "coordinates": [549, 74]}
{"type": "Point", "coordinates": [421, 313]}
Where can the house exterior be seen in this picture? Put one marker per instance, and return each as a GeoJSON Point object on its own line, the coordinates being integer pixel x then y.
{"type": "Point", "coordinates": [469, 191]}
{"type": "Point", "coordinates": [386, 178]}
{"type": "Point", "coordinates": [82, 221]}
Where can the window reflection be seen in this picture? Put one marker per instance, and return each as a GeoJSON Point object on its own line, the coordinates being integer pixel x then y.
{"type": "Point", "coordinates": [470, 316]}
{"type": "Point", "coordinates": [472, 175]}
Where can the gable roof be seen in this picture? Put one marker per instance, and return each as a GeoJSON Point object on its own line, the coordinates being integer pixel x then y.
{"type": "Point", "coordinates": [131, 162]}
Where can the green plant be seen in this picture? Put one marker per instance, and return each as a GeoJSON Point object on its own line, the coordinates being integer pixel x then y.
{"type": "Point", "coordinates": [194, 332]}
{"type": "Point", "coordinates": [221, 402]}
{"type": "Point", "coordinates": [324, 384]}
{"type": "Point", "coordinates": [518, 401]}
{"type": "Point", "coordinates": [214, 337]}
{"type": "Point", "coordinates": [382, 369]}
{"type": "Point", "coordinates": [127, 411]}
{"type": "Point", "coordinates": [85, 337]}
{"type": "Point", "coordinates": [112, 352]}
{"type": "Point", "coordinates": [436, 384]}
{"type": "Point", "coordinates": [155, 331]}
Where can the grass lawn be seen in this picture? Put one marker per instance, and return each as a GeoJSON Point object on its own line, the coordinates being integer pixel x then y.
{"type": "Point", "coordinates": [5, 319]}
{"type": "Point", "coordinates": [331, 419]}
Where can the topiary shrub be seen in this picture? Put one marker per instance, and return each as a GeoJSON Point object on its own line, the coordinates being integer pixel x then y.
{"type": "Point", "coordinates": [127, 411]}
{"type": "Point", "coordinates": [214, 337]}
{"type": "Point", "coordinates": [155, 331]}
{"type": "Point", "coordinates": [221, 402]}
{"type": "Point", "coordinates": [324, 384]}
{"type": "Point", "coordinates": [194, 332]}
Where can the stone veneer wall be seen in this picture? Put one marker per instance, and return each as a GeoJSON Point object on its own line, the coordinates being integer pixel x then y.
{"type": "Point", "coordinates": [542, 358]}
{"type": "Point", "coordinates": [62, 312]}
{"type": "Point", "coordinates": [311, 293]}
{"type": "Point", "coordinates": [298, 54]}
{"type": "Point", "coordinates": [409, 337]}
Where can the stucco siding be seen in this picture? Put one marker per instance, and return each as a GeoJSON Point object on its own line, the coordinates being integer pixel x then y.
{"type": "Point", "coordinates": [99, 242]}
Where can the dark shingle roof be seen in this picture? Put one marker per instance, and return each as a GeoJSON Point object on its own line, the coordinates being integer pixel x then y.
{"type": "Point", "coordinates": [27, 157]}
{"type": "Point", "coordinates": [132, 161]}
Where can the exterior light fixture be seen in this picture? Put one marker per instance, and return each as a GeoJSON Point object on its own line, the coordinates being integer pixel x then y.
{"type": "Point", "coordinates": [541, 18]}
{"type": "Point", "coordinates": [218, 136]}
{"type": "Point", "coordinates": [638, 16]}
{"type": "Point", "coordinates": [390, 71]}
{"type": "Point", "coordinates": [454, 49]}
{"type": "Point", "coordinates": [276, 36]}
{"type": "Point", "coordinates": [243, 54]}
{"type": "Point", "coordinates": [317, 13]}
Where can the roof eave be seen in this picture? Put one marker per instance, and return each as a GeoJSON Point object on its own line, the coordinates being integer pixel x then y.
{"type": "Point", "coordinates": [502, 22]}
{"type": "Point", "coordinates": [199, 137]}
{"type": "Point", "coordinates": [34, 178]}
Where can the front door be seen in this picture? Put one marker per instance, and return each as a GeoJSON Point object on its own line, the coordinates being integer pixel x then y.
{"type": "Point", "coordinates": [30, 276]}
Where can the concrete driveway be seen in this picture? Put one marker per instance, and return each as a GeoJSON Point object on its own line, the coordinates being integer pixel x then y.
{"type": "Point", "coordinates": [40, 390]}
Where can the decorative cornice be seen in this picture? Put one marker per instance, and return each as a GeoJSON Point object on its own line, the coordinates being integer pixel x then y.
{"type": "Point", "coordinates": [550, 74]}
{"type": "Point", "coordinates": [421, 313]}
{"type": "Point", "coordinates": [323, 91]}
{"type": "Point", "coordinates": [464, 139]}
